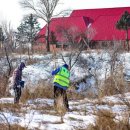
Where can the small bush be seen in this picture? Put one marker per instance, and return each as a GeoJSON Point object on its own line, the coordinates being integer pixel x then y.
{"type": "Point", "coordinates": [114, 84]}
{"type": "Point", "coordinates": [3, 85]}
{"type": "Point", "coordinates": [40, 91]}
{"type": "Point", "coordinates": [17, 127]}
{"type": "Point", "coordinates": [106, 121]}
{"type": "Point", "coordinates": [74, 95]}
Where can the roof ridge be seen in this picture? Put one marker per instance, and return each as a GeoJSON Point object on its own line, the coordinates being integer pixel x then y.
{"type": "Point", "coordinates": [101, 8]}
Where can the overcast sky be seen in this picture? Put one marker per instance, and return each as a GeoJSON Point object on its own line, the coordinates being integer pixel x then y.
{"type": "Point", "coordinates": [11, 11]}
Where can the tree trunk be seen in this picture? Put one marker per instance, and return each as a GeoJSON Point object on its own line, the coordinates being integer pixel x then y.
{"type": "Point", "coordinates": [127, 39]}
{"type": "Point", "coordinates": [28, 52]}
{"type": "Point", "coordinates": [9, 64]}
{"type": "Point", "coordinates": [47, 38]}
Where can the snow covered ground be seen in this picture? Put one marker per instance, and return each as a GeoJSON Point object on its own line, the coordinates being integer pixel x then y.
{"type": "Point", "coordinates": [39, 113]}
{"type": "Point", "coordinates": [33, 114]}
{"type": "Point", "coordinates": [92, 65]}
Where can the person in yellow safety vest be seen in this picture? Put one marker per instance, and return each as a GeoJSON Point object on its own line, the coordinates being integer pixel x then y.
{"type": "Point", "coordinates": [61, 83]}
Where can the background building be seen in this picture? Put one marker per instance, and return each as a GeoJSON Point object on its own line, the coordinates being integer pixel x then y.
{"type": "Point", "coordinates": [97, 25]}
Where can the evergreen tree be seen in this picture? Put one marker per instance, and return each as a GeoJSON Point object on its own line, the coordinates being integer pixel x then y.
{"type": "Point", "coordinates": [43, 9]}
{"type": "Point", "coordinates": [124, 24]}
{"type": "Point", "coordinates": [27, 30]}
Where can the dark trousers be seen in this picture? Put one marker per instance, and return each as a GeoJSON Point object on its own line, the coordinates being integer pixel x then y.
{"type": "Point", "coordinates": [17, 92]}
{"type": "Point", "coordinates": [60, 92]}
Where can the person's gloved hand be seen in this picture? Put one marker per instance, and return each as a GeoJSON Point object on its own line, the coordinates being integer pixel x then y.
{"type": "Point", "coordinates": [22, 84]}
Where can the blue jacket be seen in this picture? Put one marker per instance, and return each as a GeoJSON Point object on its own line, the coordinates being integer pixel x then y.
{"type": "Point", "coordinates": [54, 72]}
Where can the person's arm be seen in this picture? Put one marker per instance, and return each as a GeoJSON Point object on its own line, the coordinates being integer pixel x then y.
{"type": "Point", "coordinates": [54, 72]}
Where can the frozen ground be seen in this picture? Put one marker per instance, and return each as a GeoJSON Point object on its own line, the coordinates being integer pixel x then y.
{"type": "Point", "coordinates": [98, 63]}
{"type": "Point", "coordinates": [39, 113]}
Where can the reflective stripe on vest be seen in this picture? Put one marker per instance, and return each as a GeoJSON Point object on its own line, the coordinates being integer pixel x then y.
{"type": "Point", "coordinates": [62, 77]}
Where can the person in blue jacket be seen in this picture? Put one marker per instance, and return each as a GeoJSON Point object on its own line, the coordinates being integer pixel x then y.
{"type": "Point", "coordinates": [61, 83]}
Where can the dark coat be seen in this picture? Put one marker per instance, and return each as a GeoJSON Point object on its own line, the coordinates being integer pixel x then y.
{"type": "Point", "coordinates": [17, 76]}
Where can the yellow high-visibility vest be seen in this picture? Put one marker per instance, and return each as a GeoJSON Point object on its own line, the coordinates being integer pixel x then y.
{"type": "Point", "coordinates": [62, 77]}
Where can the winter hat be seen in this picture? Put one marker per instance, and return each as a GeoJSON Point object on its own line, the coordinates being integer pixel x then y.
{"type": "Point", "coordinates": [66, 66]}
{"type": "Point", "coordinates": [22, 65]}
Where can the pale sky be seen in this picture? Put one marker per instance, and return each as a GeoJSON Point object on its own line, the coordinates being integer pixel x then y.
{"type": "Point", "coordinates": [11, 11]}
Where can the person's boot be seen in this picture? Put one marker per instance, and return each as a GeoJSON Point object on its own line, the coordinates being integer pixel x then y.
{"type": "Point", "coordinates": [16, 101]}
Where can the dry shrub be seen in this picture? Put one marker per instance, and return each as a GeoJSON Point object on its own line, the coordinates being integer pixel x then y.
{"type": "Point", "coordinates": [106, 121]}
{"type": "Point", "coordinates": [45, 90]}
{"type": "Point", "coordinates": [3, 85]}
{"type": "Point", "coordinates": [124, 124]}
{"type": "Point", "coordinates": [114, 84]}
{"type": "Point", "coordinates": [90, 94]}
{"type": "Point", "coordinates": [7, 126]}
{"type": "Point", "coordinates": [99, 101]}
{"type": "Point", "coordinates": [10, 107]}
{"type": "Point", "coordinates": [38, 92]}
{"type": "Point", "coordinates": [17, 127]}
{"type": "Point", "coordinates": [12, 127]}
{"type": "Point", "coordinates": [109, 87]}
{"type": "Point", "coordinates": [31, 61]}
{"type": "Point", "coordinates": [4, 126]}
{"type": "Point", "coordinates": [75, 95]}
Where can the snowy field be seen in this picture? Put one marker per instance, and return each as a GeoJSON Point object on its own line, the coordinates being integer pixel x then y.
{"type": "Point", "coordinates": [32, 114]}
{"type": "Point", "coordinates": [90, 65]}
{"type": "Point", "coordinates": [39, 114]}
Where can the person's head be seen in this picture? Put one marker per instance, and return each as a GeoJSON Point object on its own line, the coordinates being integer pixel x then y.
{"type": "Point", "coordinates": [22, 66]}
{"type": "Point", "coordinates": [66, 66]}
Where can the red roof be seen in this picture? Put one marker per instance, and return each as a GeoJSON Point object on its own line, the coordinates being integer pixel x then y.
{"type": "Point", "coordinates": [41, 35]}
{"type": "Point", "coordinates": [106, 30]}
{"type": "Point", "coordinates": [94, 13]}
{"type": "Point", "coordinates": [73, 24]}
{"type": "Point", "coordinates": [101, 20]}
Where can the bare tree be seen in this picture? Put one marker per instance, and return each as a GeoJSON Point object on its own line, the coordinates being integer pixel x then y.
{"type": "Point", "coordinates": [8, 35]}
{"type": "Point", "coordinates": [7, 42]}
{"type": "Point", "coordinates": [75, 41]}
{"type": "Point", "coordinates": [43, 9]}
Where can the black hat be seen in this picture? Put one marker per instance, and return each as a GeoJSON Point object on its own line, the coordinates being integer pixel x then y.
{"type": "Point", "coordinates": [66, 66]}
{"type": "Point", "coordinates": [22, 65]}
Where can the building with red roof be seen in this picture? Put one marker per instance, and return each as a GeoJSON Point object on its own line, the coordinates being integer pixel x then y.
{"type": "Point", "coordinates": [78, 24]}
{"type": "Point", "coordinates": [102, 21]}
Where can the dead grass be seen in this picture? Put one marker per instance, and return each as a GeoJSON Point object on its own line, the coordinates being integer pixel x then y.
{"type": "Point", "coordinates": [75, 96]}
{"type": "Point", "coordinates": [38, 92]}
{"type": "Point", "coordinates": [12, 127]}
{"type": "Point", "coordinates": [114, 84]}
{"type": "Point", "coordinates": [3, 85]}
{"type": "Point", "coordinates": [106, 121]}
{"type": "Point", "coordinates": [43, 109]}
{"type": "Point", "coordinates": [45, 90]}
{"type": "Point", "coordinates": [14, 109]}
{"type": "Point", "coordinates": [31, 61]}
